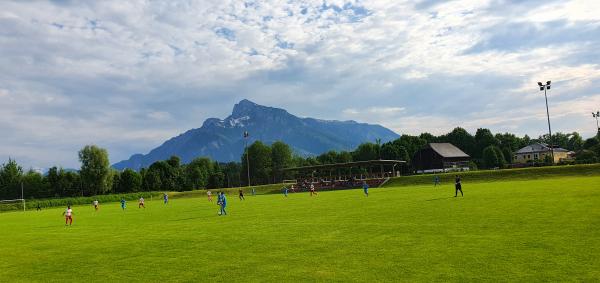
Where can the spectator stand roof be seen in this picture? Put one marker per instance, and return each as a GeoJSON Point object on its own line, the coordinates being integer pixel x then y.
{"type": "Point", "coordinates": [448, 150]}
{"type": "Point", "coordinates": [368, 163]}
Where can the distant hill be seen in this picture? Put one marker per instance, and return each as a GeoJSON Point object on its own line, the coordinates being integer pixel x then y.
{"type": "Point", "coordinates": [222, 140]}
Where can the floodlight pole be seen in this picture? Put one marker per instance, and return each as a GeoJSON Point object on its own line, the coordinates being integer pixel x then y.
{"type": "Point", "coordinates": [545, 88]}
{"type": "Point", "coordinates": [596, 115]}
{"type": "Point", "coordinates": [246, 136]}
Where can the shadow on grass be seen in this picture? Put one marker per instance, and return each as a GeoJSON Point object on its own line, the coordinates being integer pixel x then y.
{"type": "Point", "coordinates": [439, 198]}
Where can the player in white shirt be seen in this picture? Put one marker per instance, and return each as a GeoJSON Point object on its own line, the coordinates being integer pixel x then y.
{"type": "Point", "coordinates": [68, 213]}
{"type": "Point", "coordinates": [95, 203]}
{"type": "Point", "coordinates": [209, 194]}
{"type": "Point", "coordinates": [141, 203]}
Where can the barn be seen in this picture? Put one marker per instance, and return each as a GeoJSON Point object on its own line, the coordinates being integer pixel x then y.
{"type": "Point", "coordinates": [440, 157]}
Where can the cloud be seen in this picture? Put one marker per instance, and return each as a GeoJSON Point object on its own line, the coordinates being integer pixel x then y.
{"type": "Point", "coordinates": [128, 75]}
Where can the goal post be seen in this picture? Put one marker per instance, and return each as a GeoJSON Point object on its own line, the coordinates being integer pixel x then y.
{"type": "Point", "coordinates": [12, 204]}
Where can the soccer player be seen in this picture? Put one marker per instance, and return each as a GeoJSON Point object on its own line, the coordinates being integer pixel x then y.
{"type": "Point", "coordinates": [223, 204]}
{"type": "Point", "coordinates": [141, 203]}
{"type": "Point", "coordinates": [123, 204]}
{"type": "Point", "coordinates": [366, 188]}
{"type": "Point", "coordinates": [38, 208]}
{"type": "Point", "coordinates": [458, 186]}
{"type": "Point", "coordinates": [253, 192]}
{"type": "Point", "coordinates": [95, 203]}
{"type": "Point", "coordinates": [209, 194]}
{"type": "Point", "coordinates": [436, 180]}
{"type": "Point", "coordinates": [312, 190]}
{"type": "Point", "coordinates": [241, 194]}
{"type": "Point", "coordinates": [293, 189]}
{"type": "Point", "coordinates": [165, 198]}
{"type": "Point", "coordinates": [68, 213]}
{"type": "Point", "coordinates": [285, 191]}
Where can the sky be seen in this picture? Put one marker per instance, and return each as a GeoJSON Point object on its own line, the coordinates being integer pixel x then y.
{"type": "Point", "coordinates": [128, 75]}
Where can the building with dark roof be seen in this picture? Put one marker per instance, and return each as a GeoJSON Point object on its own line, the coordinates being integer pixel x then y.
{"type": "Point", "coordinates": [537, 152]}
{"type": "Point", "coordinates": [440, 157]}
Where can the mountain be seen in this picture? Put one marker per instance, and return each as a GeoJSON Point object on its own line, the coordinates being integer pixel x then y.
{"type": "Point", "coordinates": [222, 140]}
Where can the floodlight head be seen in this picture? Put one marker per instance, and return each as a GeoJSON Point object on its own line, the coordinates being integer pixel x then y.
{"type": "Point", "coordinates": [548, 82]}
{"type": "Point", "coordinates": [540, 84]}
{"type": "Point", "coordinates": [548, 86]}
{"type": "Point", "coordinates": [541, 88]}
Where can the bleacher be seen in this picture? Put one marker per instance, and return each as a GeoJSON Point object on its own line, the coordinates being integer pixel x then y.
{"type": "Point", "coordinates": [321, 185]}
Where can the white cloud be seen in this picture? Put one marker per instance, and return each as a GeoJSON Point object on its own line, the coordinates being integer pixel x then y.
{"type": "Point", "coordinates": [131, 74]}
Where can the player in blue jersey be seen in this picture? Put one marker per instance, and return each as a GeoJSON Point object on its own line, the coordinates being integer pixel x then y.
{"type": "Point", "coordinates": [123, 203]}
{"type": "Point", "coordinates": [223, 203]}
{"type": "Point", "coordinates": [165, 198]}
{"type": "Point", "coordinates": [366, 188]}
{"type": "Point", "coordinates": [285, 191]}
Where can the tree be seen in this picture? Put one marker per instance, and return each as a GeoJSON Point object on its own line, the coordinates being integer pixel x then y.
{"type": "Point", "coordinates": [34, 185]}
{"type": "Point", "coordinates": [176, 174]}
{"type": "Point", "coordinates": [394, 151]}
{"type": "Point", "coordinates": [366, 151]}
{"type": "Point", "coordinates": [492, 157]}
{"type": "Point", "coordinates": [116, 180]}
{"type": "Point", "coordinates": [151, 181]}
{"type": "Point", "coordinates": [260, 163]}
{"type": "Point", "coordinates": [216, 177]}
{"type": "Point", "coordinates": [501, 158]}
{"type": "Point", "coordinates": [403, 154]}
{"type": "Point", "coordinates": [575, 142]}
{"type": "Point", "coordinates": [95, 169]}
{"type": "Point", "coordinates": [174, 161]}
{"type": "Point", "coordinates": [508, 155]}
{"type": "Point", "coordinates": [281, 157]}
{"type": "Point", "coordinates": [129, 181]}
{"type": "Point", "coordinates": [198, 172]}
{"type": "Point", "coordinates": [412, 143]}
{"type": "Point", "coordinates": [586, 156]}
{"type": "Point", "coordinates": [429, 138]}
{"type": "Point", "coordinates": [329, 157]}
{"type": "Point", "coordinates": [232, 173]}
{"type": "Point", "coordinates": [591, 142]}
{"type": "Point", "coordinates": [483, 139]}
{"type": "Point", "coordinates": [390, 151]}
{"type": "Point", "coordinates": [69, 184]}
{"type": "Point", "coordinates": [461, 139]}
{"type": "Point", "coordinates": [53, 179]}
{"type": "Point", "coordinates": [10, 179]}
{"type": "Point", "coordinates": [343, 157]}
{"type": "Point", "coordinates": [510, 141]}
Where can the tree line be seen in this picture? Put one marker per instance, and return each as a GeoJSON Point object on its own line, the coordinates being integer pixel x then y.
{"type": "Point", "coordinates": [96, 177]}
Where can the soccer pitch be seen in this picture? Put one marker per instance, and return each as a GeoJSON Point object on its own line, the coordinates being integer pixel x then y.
{"type": "Point", "coordinates": [539, 230]}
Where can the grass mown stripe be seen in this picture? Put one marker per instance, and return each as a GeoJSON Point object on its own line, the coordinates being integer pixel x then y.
{"type": "Point", "coordinates": [543, 230]}
{"type": "Point", "coordinates": [532, 173]}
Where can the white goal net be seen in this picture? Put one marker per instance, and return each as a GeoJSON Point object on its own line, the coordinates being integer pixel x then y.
{"type": "Point", "coordinates": [12, 204]}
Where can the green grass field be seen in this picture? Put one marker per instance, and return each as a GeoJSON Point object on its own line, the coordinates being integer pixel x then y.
{"type": "Point", "coordinates": [528, 231]}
